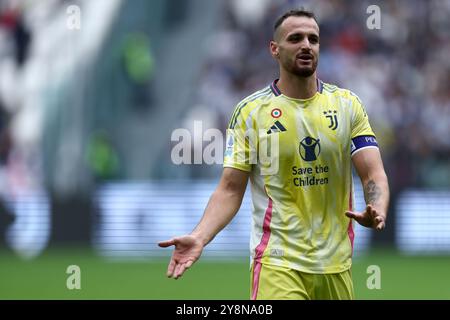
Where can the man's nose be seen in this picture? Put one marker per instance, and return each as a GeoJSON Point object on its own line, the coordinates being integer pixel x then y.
{"type": "Point", "coordinates": [306, 44]}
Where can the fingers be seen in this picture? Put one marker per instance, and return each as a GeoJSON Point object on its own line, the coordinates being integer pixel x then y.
{"type": "Point", "coordinates": [171, 268]}
{"type": "Point", "coordinates": [372, 214]}
{"type": "Point", "coordinates": [380, 226]}
{"type": "Point", "coordinates": [173, 265]}
{"type": "Point", "coordinates": [182, 269]}
{"type": "Point", "coordinates": [370, 218]}
{"type": "Point", "coordinates": [176, 270]}
{"type": "Point", "coordinates": [179, 270]}
{"type": "Point", "coordinates": [379, 222]}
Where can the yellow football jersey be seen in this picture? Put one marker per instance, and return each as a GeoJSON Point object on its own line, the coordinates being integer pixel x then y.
{"type": "Point", "coordinates": [301, 193]}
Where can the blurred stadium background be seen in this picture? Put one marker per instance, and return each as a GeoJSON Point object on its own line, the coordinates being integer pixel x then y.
{"type": "Point", "coordinates": [87, 113]}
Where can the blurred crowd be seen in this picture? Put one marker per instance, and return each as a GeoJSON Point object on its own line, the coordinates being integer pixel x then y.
{"type": "Point", "coordinates": [400, 71]}
{"type": "Point", "coordinates": [18, 122]}
{"type": "Point", "coordinates": [39, 55]}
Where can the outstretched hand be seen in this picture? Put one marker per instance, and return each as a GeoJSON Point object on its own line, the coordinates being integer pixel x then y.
{"type": "Point", "coordinates": [370, 218]}
{"type": "Point", "coordinates": [188, 249]}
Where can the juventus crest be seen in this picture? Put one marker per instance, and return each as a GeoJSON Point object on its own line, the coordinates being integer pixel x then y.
{"type": "Point", "coordinates": [332, 116]}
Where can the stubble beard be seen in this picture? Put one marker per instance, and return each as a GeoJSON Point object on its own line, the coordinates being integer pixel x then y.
{"type": "Point", "coordinates": [304, 72]}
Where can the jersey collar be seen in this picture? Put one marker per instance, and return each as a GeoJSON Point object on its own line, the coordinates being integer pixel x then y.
{"type": "Point", "coordinates": [276, 91]}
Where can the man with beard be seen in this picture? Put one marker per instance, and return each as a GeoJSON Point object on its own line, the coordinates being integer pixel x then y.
{"type": "Point", "coordinates": [302, 188]}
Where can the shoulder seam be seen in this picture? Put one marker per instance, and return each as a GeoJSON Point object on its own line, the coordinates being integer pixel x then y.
{"type": "Point", "coordinates": [245, 102]}
{"type": "Point", "coordinates": [330, 88]}
{"type": "Point", "coordinates": [354, 95]}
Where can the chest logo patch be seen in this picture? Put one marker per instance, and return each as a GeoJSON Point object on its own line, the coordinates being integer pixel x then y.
{"type": "Point", "coordinates": [332, 117]}
{"type": "Point", "coordinates": [309, 149]}
{"type": "Point", "coordinates": [277, 127]}
{"type": "Point", "coordinates": [276, 113]}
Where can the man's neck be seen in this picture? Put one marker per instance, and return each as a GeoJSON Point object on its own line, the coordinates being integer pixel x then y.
{"type": "Point", "coordinates": [297, 87]}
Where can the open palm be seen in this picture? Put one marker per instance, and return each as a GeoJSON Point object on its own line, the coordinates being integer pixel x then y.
{"type": "Point", "coordinates": [370, 218]}
{"type": "Point", "coordinates": [188, 249]}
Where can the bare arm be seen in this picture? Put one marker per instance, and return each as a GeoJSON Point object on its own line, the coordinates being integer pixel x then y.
{"type": "Point", "coordinates": [222, 207]}
{"type": "Point", "coordinates": [369, 167]}
{"type": "Point", "coordinates": [223, 204]}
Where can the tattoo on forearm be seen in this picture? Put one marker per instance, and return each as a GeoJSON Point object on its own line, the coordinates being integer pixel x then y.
{"type": "Point", "coordinates": [371, 192]}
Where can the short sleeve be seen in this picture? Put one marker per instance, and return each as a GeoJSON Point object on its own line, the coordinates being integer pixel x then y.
{"type": "Point", "coordinates": [240, 149]}
{"type": "Point", "coordinates": [360, 125]}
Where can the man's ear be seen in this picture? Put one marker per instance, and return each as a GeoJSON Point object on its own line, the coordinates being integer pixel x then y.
{"type": "Point", "coordinates": [274, 49]}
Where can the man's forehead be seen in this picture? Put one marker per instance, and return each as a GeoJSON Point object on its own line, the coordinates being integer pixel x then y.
{"type": "Point", "coordinates": [299, 24]}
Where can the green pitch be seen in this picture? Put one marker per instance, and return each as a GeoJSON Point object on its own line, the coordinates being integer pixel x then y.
{"type": "Point", "coordinates": [402, 277]}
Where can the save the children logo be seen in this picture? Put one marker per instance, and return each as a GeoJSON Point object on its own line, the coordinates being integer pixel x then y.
{"type": "Point", "coordinates": [309, 149]}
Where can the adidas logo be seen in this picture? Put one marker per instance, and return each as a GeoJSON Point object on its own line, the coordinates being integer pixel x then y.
{"type": "Point", "coordinates": [277, 127]}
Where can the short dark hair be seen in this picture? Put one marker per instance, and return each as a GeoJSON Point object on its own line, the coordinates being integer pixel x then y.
{"type": "Point", "coordinates": [294, 13]}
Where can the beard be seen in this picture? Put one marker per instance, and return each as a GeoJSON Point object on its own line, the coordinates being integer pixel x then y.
{"type": "Point", "coordinates": [304, 72]}
{"type": "Point", "coordinates": [301, 71]}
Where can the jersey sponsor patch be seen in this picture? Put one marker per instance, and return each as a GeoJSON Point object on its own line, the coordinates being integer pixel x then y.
{"type": "Point", "coordinates": [363, 142]}
{"type": "Point", "coordinates": [230, 144]}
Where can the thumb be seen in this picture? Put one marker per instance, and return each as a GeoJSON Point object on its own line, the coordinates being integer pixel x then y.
{"type": "Point", "coordinates": [167, 243]}
{"type": "Point", "coordinates": [351, 214]}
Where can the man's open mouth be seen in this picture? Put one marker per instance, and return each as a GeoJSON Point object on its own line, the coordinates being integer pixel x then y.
{"type": "Point", "coordinates": [304, 57]}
